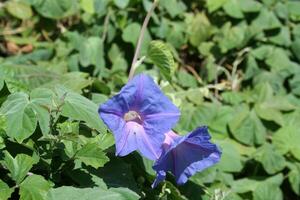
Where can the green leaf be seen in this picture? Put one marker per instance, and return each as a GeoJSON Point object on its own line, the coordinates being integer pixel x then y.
{"type": "Point", "coordinates": [19, 9]}
{"type": "Point", "coordinates": [5, 191]}
{"type": "Point", "coordinates": [162, 57]}
{"type": "Point", "coordinates": [121, 3]}
{"type": "Point", "coordinates": [1, 80]}
{"type": "Point", "coordinates": [18, 166]}
{"type": "Point", "coordinates": [231, 159]}
{"type": "Point", "coordinates": [266, 20]}
{"type": "Point", "coordinates": [271, 107]}
{"type": "Point", "coordinates": [271, 160]}
{"type": "Point", "coordinates": [80, 108]}
{"type": "Point", "coordinates": [231, 37]}
{"type": "Point", "coordinates": [20, 117]}
{"type": "Point", "coordinates": [87, 6]}
{"type": "Point", "coordinates": [34, 187]}
{"type": "Point", "coordinates": [296, 47]}
{"type": "Point", "coordinates": [186, 80]}
{"type": "Point", "coordinates": [295, 84]}
{"type": "Point", "coordinates": [286, 140]}
{"type": "Point", "coordinates": [91, 53]}
{"type": "Point", "coordinates": [91, 154]}
{"type": "Point", "coordinates": [131, 34]}
{"type": "Point", "coordinates": [173, 7]}
{"type": "Point", "coordinates": [282, 38]}
{"type": "Point", "coordinates": [247, 128]}
{"type": "Point", "coordinates": [41, 102]}
{"type": "Point", "coordinates": [250, 6]}
{"type": "Point", "coordinates": [261, 189]}
{"type": "Point", "coordinates": [233, 9]}
{"type": "Point", "coordinates": [55, 9]}
{"type": "Point", "coordinates": [199, 28]}
{"type": "Point", "coordinates": [214, 5]}
{"type": "Point", "coordinates": [68, 192]}
{"type": "Point", "coordinates": [294, 177]}
{"type": "Point", "coordinates": [294, 10]}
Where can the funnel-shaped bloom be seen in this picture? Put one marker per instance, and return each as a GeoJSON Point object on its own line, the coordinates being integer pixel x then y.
{"type": "Point", "coordinates": [139, 116]}
{"type": "Point", "coordinates": [183, 156]}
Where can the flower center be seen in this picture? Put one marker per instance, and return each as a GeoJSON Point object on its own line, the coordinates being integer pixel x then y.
{"type": "Point", "coordinates": [132, 116]}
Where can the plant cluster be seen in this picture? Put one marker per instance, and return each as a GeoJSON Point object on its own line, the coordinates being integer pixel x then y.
{"type": "Point", "coordinates": [232, 65]}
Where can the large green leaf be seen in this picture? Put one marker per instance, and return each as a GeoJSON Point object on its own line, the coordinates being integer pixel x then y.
{"type": "Point", "coordinates": [22, 112]}
{"type": "Point", "coordinates": [246, 127]}
{"type": "Point", "coordinates": [80, 108]}
{"type": "Point", "coordinates": [18, 166]}
{"type": "Point", "coordinates": [68, 192]}
{"type": "Point", "coordinates": [271, 160]}
{"type": "Point", "coordinates": [91, 154]}
{"type": "Point", "coordinates": [20, 117]}
{"type": "Point", "coordinates": [286, 140]}
{"type": "Point", "coordinates": [34, 187]}
{"type": "Point", "coordinates": [162, 57]}
{"type": "Point", "coordinates": [5, 191]}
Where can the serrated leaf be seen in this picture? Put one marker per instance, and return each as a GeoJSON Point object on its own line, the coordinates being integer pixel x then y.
{"type": "Point", "coordinates": [18, 166]}
{"type": "Point", "coordinates": [5, 191]}
{"type": "Point", "coordinates": [162, 57]}
{"type": "Point", "coordinates": [68, 192]}
{"type": "Point", "coordinates": [34, 187]}
{"type": "Point", "coordinates": [91, 154]}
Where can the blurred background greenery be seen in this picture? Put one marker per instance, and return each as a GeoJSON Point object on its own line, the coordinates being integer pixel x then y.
{"type": "Point", "coordinates": [235, 68]}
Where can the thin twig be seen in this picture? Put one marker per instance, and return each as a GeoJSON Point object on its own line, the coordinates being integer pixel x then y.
{"type": "Point", "coordinates": [140, 40]}
{"type": "Point", "coordinates": [193, 71]}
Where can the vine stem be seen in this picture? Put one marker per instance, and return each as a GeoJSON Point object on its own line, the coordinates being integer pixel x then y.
{"type": "Point", "coordinates": [140, 40]}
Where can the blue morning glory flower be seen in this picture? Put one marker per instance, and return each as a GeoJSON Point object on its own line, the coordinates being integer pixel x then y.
{"type": "Point", "coordinates": [183, 156]}
{"type": "Point", "coordinates": [139, 116]}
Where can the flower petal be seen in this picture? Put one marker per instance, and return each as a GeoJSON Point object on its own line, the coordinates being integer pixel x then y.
{"type": "Point", "coordinates": [127, 143]}
{"type": "Point", "coordinates": [187, 155]}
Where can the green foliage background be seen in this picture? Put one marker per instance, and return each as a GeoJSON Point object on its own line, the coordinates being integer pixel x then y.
{"type": "Point", "coordinates": [233, 65]}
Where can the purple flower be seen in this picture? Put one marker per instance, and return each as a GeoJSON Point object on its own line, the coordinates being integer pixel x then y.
{"type": "Point", "coordinates": [186, 155]}
{"type": "Point", "coordinates": [139, 116]}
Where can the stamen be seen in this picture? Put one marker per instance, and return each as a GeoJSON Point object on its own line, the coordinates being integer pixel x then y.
{"type": "Point", "coordinates": [132, 116]}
